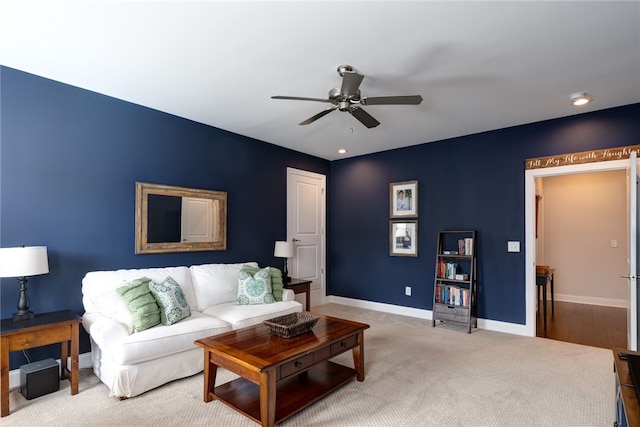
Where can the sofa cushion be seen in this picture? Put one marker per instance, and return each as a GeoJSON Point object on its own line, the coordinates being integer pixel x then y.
{"type": "Point", "coordinates": [144, 309]}
{"type": "Point", "coordinates": [153, 343]}
{"type": "Point", "coordinates": [113, 306]}
{"type": "Point", "coordinates": [215, 283]}
{"type": "Point", "coordinates": [170, 298]}
{"type": "Point", "coordinates": [276, 280]}
{"type": "Point", "coordinates": [240, 316]}
{"type": "Point", "coordinates": [98, 284]}
{"type": "Point", "coordinates": [254, 288]}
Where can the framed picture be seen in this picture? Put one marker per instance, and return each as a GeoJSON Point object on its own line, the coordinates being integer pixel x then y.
{"type": "Point", "coordinates": [403, 238]}
{"type": "Point", "coordinates": [404, 199]}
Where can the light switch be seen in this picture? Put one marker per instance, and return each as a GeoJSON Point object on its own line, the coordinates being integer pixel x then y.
{"type": "Point", "coordinates": [513, 246]}
{"type": "Point", "coordinates": [614, 243]}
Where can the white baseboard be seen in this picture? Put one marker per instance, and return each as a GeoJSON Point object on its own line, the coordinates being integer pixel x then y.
{"type": "Point", "coordinates": [378, 306]}
{"type": "Point", "coordinates": [84, 361]}
{"type": "Point", "coordinates": [607, 302]}
{"type": "Point", "coordinates": [490, 325]}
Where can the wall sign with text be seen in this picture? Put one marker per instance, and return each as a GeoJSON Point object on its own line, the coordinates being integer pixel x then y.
{"type": "Point", "coordinates": [617, 153]}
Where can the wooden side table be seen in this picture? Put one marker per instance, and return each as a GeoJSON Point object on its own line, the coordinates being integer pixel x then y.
{"type": "Point", "coordinates": [299, 286]}
{"type": "Point", "coordinates": [47, 328]}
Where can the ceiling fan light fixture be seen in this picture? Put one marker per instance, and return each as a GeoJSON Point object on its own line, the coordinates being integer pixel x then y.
{"type": "Point", "coordinates": [347, 98]}
{"type": "Point", "coordinates": [580, 98]}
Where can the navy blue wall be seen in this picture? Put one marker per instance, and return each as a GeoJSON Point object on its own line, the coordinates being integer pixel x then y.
{"type": "Point", "coordinates": [473, 182]}
{"type": "Point", "coordinates": [69, 159]}
{"type": "Point", "coordinates": [69, 162]}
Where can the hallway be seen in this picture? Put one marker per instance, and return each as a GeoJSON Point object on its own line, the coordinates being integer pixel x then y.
{"type": "Point", "coordinates": [592, 325]}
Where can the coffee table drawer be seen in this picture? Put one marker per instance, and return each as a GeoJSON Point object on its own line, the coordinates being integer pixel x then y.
{"type": "Point", "coordinates": [344, 345]}
{"type": "Point", "coordinates": [322, 354]}
{"type": "Point", "coordinates": [295, 366]}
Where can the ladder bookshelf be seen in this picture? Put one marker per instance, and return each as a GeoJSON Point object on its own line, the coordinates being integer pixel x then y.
{"type": "Point", "coordinates": [454, 288]}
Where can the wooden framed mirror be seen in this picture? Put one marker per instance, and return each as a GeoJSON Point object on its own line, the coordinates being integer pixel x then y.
{"type": "Point", "coordinates": [179, 219]}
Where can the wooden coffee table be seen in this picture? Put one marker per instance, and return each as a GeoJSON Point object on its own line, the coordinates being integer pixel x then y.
{"type": "Point", "coordinates": [281, 376]}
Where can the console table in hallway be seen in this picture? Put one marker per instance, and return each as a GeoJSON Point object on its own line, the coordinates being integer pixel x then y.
{"type": "Point", "coordinates": [544, 276]}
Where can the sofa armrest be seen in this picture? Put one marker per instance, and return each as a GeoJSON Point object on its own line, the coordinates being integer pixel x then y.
{"type": "Point", "coordinates": [288, 295]}
{"type": "Point", "coordinates": [104, 330]}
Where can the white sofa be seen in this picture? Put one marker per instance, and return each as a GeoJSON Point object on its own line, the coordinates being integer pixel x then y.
{"type": "Point", "coordinates": [132, 363]}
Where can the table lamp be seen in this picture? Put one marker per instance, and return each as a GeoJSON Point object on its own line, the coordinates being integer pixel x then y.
{"type": "Point", "coordinates": [23, 262]}
{"type": "Point", "coordinates": [285, 250]}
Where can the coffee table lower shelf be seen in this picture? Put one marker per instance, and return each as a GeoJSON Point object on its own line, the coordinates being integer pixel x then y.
{"type": "Point", "coordinates": [293, 393]}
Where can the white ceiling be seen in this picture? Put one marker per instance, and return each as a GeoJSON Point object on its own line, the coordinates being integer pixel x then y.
{"type": "Point", "coordinates": [478, 65]}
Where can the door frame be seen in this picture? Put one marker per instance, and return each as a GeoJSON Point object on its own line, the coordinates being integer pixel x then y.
{"type": "Point", "coordinates": [530, 176]}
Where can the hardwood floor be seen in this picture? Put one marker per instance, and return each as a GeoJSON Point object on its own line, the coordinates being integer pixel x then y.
{"type": "Point", "coordinates": [593, 325]}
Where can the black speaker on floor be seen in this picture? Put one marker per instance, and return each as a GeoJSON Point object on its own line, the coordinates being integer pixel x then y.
{"type": "Point", "coordinates": [39, 378]}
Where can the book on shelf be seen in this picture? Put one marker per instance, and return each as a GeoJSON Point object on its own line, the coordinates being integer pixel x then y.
{"type": "Point", "coordinates": [447, 269]}
{"type": "Point", "coordinates": [452, 295]}
{"type": "Point", "coordinates": [465, 246]}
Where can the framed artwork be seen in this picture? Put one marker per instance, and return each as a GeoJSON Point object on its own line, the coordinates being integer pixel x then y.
{"type": "Point", "coordinates": [403, 238]}
{"type": "Point", "coordinates": [404, 199]}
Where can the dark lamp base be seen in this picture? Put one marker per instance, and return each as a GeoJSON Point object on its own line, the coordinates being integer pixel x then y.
{"type": "Point", "coordinates": [19, 317]}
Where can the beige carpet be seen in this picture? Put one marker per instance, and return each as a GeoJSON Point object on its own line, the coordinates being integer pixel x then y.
{"type": "Point", "coordinates": [416, 375]}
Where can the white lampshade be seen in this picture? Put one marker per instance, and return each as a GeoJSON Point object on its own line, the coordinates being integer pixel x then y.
{"type": "Point", "coordinates": [23, 261]}
{"type": "Point", "coordinates": [284, 249]}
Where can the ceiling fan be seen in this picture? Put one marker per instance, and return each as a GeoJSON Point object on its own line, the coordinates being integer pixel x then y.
{"type": "Point", "coordinates": [347, 98]}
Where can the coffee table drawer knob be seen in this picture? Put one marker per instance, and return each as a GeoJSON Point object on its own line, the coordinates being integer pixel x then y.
{"type": "Point", "coordinates": [345, 344]}
{"type": "Point", "coordinates": [296, 366]}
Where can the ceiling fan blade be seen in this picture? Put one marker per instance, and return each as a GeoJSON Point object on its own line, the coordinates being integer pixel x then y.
{"type": "Point", "coordinates": [300, 98]}
{"type": "Point", "coordinates": [392, 100]}
{"type": "Point", "coordinates": [364, 117]}
{"type": "Point", "coordinates": [350, 83]}
{"type": "Point", "coordinates": [317, 116]}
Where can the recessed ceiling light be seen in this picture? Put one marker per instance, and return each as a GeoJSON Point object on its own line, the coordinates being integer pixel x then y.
{"type": "Point", "coordinates": [342, 151]}
{"type": "Point", "coordinates": [580, 98]}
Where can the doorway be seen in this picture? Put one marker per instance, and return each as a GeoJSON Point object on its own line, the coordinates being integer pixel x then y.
{"type": "Point", "coordinates": [530, 231]}
{"type": "Point", "coordinates": [306, 219]}
{"type": "Point", "coordinates": [582, 235]}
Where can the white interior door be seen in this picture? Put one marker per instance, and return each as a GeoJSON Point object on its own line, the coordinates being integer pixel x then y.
{"type": "Point", "coordinates": [306, 224]}
{"type": "Point", "coordinates": [632, 253]}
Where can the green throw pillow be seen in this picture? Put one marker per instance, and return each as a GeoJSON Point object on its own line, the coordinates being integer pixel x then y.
{"type": "Point", "coordinates": [170, 298]}
{"type": "Point", "coordinates": [276, 280]}
{"type": "Point", "coordinates": [254, 288]}
{"type": "Point", "coordinates": [144, 310]}
{"type": "Point", "coordinates": [276, 283]}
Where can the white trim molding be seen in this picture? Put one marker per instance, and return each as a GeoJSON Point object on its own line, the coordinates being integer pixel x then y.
{"type": "Point", "coordinates": [490, 325]}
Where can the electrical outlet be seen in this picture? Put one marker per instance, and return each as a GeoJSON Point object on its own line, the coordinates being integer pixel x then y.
{"type": "Point", "coordinates": [407, 291]}
{"type": "Point", "coordinates": [513, 246]}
